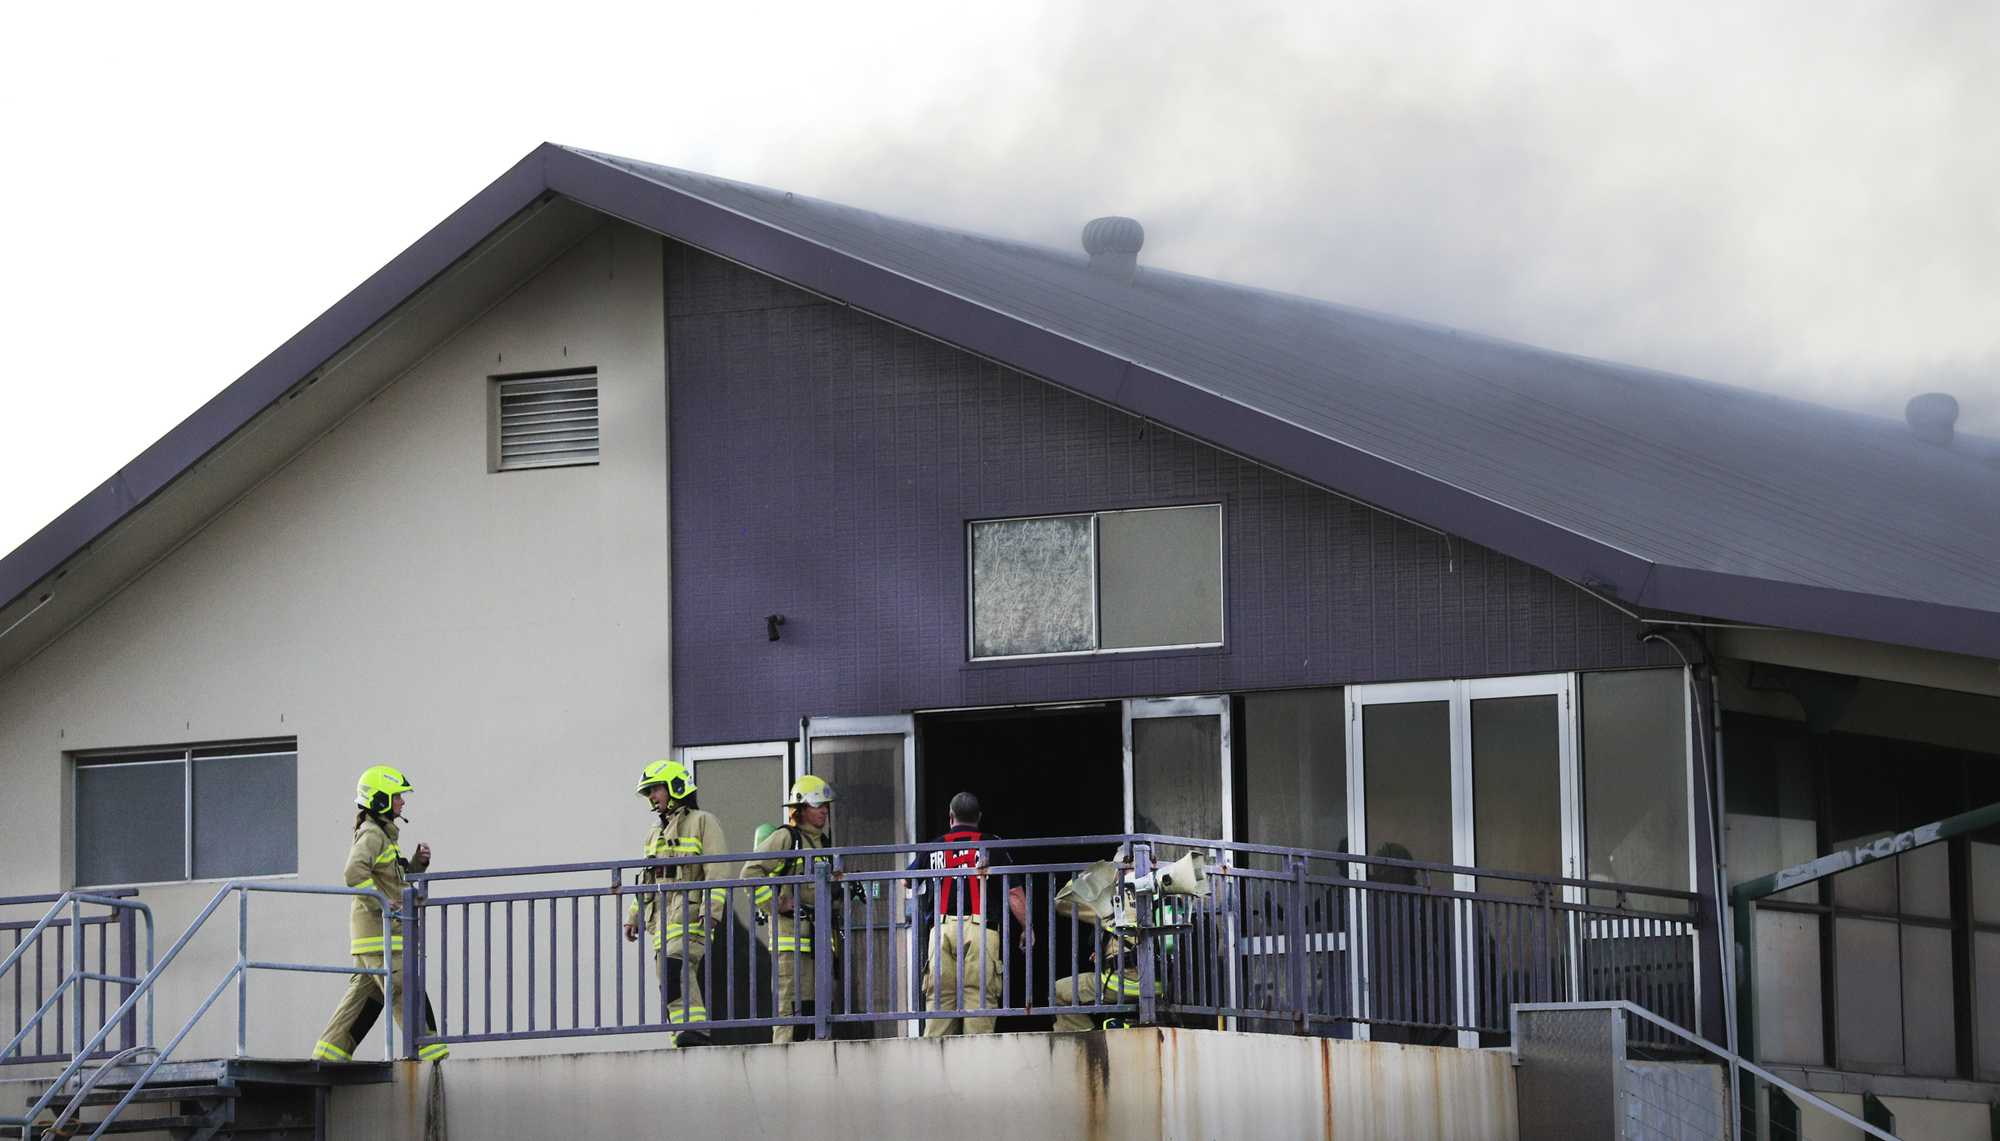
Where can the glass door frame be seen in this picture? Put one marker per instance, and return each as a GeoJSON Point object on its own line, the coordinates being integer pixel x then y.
{"type": "Point", "coordinates": [885, 725]}
{"type": "Point", "coordinates": [693, 755]}
{"type": "Point", "coordinates": [1142, 708]}
{"type": "Point", "coordinates": [1458, 696]}
{"type": "Point", "coordinates": [881, 725]}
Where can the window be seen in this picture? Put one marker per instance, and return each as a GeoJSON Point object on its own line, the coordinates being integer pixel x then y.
{"type": "Point", "coordinates": [543, 419]}
{"type": "Point", "coordinates": [1106, 581]}
{"type": "Point", "coordinates": [1887, 967]}
{"type": "Point", "coordinates": [211, 812]}
{"type": "Point", "coordinates": [1635, 787]}
{"type": "Point", "coordinates": [1295, 770]}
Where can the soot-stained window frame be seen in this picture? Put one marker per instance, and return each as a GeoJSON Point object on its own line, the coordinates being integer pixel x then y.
{"type": "Point", "coordinates": [973, 657]}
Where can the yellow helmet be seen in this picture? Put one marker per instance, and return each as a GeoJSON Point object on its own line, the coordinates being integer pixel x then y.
{"type": "Point", "coordinates": [810, 791]}
{"type": "Point", "coordinates": [378, 788]}
{"type": "Point", "coordinates": [673, 774]}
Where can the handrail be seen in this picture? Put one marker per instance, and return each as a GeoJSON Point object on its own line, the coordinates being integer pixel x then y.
{"type": "Point", "coordinates": [144, 988]}
{"type": "Point", "coordinates": [1109, 839]}
{"type": "Point", "coordinates": [1726, 1055]}
{"type": "Point", "coordinates": [73, 901]}
{"type": "Point", "coordinates": [75, 1105]}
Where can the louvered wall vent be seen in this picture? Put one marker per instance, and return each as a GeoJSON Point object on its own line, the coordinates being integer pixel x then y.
{"type": "Point", "coordinates": [545, 420]}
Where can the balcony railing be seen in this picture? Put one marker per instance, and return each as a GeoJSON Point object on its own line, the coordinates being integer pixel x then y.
{"type": "Point", "coordinates": [1285, 940]}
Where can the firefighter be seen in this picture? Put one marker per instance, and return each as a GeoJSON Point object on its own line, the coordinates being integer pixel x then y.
{"type": "Point", "coordinates": [965, 970]}
{"type": "Point", "coordinates": [1114, 976]}
{"type": "Point", "coordinates": [786, 911]}
{"type": "Point", "coordinates": [375, 861]}
{"type": "Point", "coordinates": [678, 919]}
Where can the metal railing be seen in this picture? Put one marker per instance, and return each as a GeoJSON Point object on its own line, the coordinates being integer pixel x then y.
{"type": "Point", "coordinates": [78, 1088]}
{"type": "Point", "coordinates": [1667, 1082]}
{"type": "Point", "coordinates": [1287, 939]}
{"type": "Point", "coordinates": [49, 968]}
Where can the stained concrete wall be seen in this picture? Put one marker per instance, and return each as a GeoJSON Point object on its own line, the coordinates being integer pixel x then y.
{"type": "Point", "coordinates": [386, 598]}
{"type": "Point", "coordinates": [1145, 1083]}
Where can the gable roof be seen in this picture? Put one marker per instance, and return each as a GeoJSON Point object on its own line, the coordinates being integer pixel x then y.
{"type": "Point", "coordinates": [1661, 492]}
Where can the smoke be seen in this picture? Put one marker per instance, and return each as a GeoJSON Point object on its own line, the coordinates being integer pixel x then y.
{"type": "Point", "coordinates": [1794, 197]}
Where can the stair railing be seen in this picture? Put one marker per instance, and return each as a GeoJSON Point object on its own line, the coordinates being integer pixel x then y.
{"type": "Point", "coordinates": [238, 973]}
{"type": "Point", "coordinates": [1721, 1055]}
{"type": "Point", "coordinates": [76, 976]}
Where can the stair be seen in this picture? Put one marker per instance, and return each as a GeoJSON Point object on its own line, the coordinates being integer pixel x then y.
{"type": "Point", "coordinates": [248, 1099]}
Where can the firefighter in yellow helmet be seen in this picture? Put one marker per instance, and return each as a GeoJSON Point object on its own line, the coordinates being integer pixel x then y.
{"type": "Point", "coordinates": [1113, 977]}
{"type": "Point", "coordinates": [375, 861]}
{"type": "Point", "coordinates": [786, 910]}
{"type": "Point", "coordinates": [679, 917]}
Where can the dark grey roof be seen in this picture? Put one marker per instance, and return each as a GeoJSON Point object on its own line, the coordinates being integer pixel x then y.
{"type": "Point", "coordinates": [1665, 492]}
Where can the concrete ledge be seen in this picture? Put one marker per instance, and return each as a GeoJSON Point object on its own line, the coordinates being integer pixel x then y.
{"type": "Point", "coordinates": [1141, 1083]}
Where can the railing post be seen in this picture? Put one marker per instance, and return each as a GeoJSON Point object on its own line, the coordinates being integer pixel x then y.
{"type": "Point", "coordinates": [242, 973]}
{"type": "Point", "coordinates": [1297, 942]}
{"type": "Point", "coordinates": [412, 968]}
{"type": "Point", "coordinates": [1142, 866]}
{"type": "Point", "coordinates": [76, 969]}
{"type": "Point", "coordinates": [128, 964]}
{"type": "Point", "coordinates": [1544, 980]}
{"type": "Point", "coordinates": [822, 950]}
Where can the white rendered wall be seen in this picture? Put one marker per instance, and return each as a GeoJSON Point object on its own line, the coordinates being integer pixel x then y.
{"type": "Point", "coordinates": [386, 599]}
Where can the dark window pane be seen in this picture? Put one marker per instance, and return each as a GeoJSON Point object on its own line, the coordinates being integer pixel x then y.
{"type": "Point", "coordinates": [1161, 576]}
{"type": "Point", "coordinates": [1929, 1026]}
{"type": "Point", "coordinates": [1986, 991]}
{"type": "Point", "coordinates": [1986, 885]}
{"type": "Point", "coordinates": [246, 816]}
{"type": "Point", "coordinates": [1516, 789]}
{"type": "Point", "coordinates": [1635, 793]}
{"type": "Point", "coordinates": [1788, 989]}
{"type": "Point", "coordinates": [1295, 769]}
{"type": "Point", "coordinates": [1926, 881]}
{"type": "Point", "coordinates": [1868, 989]}
{"type": "Point", "coordinates": [1406, 769]}
{"type": "Point", "coordinates": [130, 823]}
{"type": "Point", "coordinates": [1864, 789]}
{"type": "Point", "coordinates": [1031, 587]}
{"type": "Point", "coordinates": [1177, 776]}
{"type": "Point", "coordinates": [743, 792]}
{"type": "Point", "coordinates": [1773, 813]}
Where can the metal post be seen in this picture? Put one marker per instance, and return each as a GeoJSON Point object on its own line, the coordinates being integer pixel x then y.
{"type": "Point", "coordinates": [76, 969]}
{"type": "Point", "coordinates": [822, 950]}
{"type": "Point", "coordinates": [389, 979]}
{"type": "Point", "coordinates": [413, 969]}
{"type": "Point", "coordinates": [1297, 942]}
{"type": "Point", "coordinates": [128, 955]}
{"type": "Point", "coordinates": [242, 973]}
{"type": "Point", "coordinates": [1142, 866]}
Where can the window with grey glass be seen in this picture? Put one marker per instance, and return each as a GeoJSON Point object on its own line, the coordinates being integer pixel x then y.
{"type": "Point", "coordinates": [1101, 581]}
{"type": "Point", "coordinates": [212, 812]}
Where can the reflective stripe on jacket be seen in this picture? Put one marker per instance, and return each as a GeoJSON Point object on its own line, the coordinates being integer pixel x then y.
{"type": "Point", "coordinates": [375, 861]}
{"type": "Point", "coordinates": [684, 832]}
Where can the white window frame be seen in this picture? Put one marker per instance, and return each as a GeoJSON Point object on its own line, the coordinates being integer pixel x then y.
{"type": "Point", "coordinates": [109, 758]}
{"type": "Point", "coordinates": [1096, 585]}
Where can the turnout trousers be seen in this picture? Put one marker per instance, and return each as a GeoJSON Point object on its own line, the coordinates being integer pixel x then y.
{"type": "Point", "coordinates": [362, 1005]}
{"type": "Point", "coordinates": [964, 974]}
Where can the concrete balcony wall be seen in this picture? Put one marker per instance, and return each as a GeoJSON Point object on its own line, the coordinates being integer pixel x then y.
{"type": "Point", "coordinates": [1120, 1084]}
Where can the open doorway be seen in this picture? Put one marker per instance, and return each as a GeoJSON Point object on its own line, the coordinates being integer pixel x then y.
{"type": "Point", "coordinates": [1036, 772]}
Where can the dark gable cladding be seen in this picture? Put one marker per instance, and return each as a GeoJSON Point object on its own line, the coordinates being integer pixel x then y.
{"type": "Point", "coordinates": [824, 465]}
{"type": "Point", "coordinates": [1661, 491]}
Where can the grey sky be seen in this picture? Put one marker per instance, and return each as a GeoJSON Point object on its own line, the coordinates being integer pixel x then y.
{"type": "Point", "coordinates": [1799, 197]}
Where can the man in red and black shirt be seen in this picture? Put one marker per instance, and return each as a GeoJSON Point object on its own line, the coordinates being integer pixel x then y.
{"type": "Point", "coordinates": [964, 972]}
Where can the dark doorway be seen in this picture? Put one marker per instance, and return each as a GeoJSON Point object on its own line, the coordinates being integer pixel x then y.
{"type": "Point", "coordinates": [1036, 772]}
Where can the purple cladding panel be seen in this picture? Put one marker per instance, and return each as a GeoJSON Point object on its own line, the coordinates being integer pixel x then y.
{"type": "Point", "coordinates": [825, 464]}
